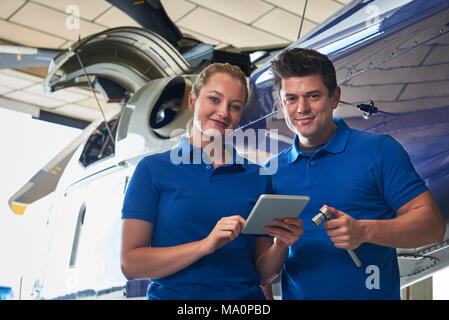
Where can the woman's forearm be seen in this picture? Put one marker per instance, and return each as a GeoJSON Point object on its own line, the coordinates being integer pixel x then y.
{"type": "Point", "coordinates": [155, 262]}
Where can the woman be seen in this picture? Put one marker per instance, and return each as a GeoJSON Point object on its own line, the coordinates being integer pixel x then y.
{"type": "Point", "coordinates": [182, 223]}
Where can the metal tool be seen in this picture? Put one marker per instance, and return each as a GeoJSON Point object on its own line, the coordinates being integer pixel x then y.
{"type": "Point", "coordinates": [325, 214]}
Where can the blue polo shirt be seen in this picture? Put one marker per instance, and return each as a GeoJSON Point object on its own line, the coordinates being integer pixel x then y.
{"type": "Point", "coordinates": [364, 175]}
{"type": "Point", "coordinates": [184, 197]}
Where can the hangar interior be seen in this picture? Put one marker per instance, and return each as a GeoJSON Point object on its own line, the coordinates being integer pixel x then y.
{"type": "Point", "coordinates": [37, 24]}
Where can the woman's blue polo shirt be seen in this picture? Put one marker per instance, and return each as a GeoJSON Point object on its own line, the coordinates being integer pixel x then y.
{"type": "Point", "coordinates": [364, 175]}
{"type": "Point", "coordinates": [184, 197]}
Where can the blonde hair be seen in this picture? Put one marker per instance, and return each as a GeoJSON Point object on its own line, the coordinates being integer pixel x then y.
{"type": "Point", "coordinates": [203, 77]}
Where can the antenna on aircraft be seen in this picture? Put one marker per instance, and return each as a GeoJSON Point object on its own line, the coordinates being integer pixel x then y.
{"type": "Point", "coordinates": [302, 19]}
{"type": "Point", "coordinates": [95, 95]}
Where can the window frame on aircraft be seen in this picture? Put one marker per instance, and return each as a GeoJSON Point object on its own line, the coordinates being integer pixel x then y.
{"type": "Point", "coordinates": [100, 144]}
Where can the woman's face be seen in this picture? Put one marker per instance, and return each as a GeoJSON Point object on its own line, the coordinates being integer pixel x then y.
{"type": "Point", "coordinates": [218, 105]}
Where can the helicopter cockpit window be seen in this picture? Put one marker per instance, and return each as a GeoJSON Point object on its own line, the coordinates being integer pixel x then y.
{"type": "Point", "coordinates": [100, 144]}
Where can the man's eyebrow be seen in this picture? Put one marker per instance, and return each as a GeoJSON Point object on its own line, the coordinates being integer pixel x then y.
{"type": "Point", "coordinates": [293, 95]}
{"type": "Point", "coordinates": [313, 91]}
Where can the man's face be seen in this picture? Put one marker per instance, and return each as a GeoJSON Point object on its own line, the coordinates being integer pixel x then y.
{"type": "Point", "coordinates": [308, 108]}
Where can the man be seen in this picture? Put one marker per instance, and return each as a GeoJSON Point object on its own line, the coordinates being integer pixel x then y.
{"type": "Point", "coordinates": [377, 200]}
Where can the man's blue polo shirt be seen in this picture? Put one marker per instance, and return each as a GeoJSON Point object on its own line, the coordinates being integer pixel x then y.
{"type": "Point", "coordinates": [184, 197]}
{"type": "Point", "coordinates": [364, 175]}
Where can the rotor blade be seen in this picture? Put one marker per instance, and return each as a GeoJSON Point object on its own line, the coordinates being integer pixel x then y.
{"type": "Point", "coordinates": [15, 57]}
{"type": "Point", "coordinates": [6, 48]}
{"type": "Point", "coordinates": [46, 179]}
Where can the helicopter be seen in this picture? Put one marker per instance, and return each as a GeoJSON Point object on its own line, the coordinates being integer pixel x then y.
{"type": "Point", "coordinates": [391, 63]}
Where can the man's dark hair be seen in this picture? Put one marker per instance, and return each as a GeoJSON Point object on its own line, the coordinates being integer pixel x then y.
{"type": "Point", "coordinates": [299, 62]}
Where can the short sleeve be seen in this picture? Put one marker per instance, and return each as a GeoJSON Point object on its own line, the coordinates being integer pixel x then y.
{"type": "Point", "coordinates": [141, 198]}
{"type": "Point", "coordinates": [397, 178]}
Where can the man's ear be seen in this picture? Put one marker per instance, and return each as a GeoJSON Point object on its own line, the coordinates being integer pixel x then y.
{"type": "Point", "coordinates": [279, 99]}
{"type": "Point", "coordinates": [336, 97]}
{"type": "Point", "coordinates": [191, 101]}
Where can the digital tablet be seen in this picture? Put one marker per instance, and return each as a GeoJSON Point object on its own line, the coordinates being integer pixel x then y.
{"type": "Point", "coordinates": [270, 206]}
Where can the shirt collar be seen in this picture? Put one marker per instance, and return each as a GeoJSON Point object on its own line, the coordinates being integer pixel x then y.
{"type": "Point", "coordinates": [295, 151]}
{"type": "Point", "coordinates": [197, 153]}
{"type": "Point", "coordinates": [336, 144]}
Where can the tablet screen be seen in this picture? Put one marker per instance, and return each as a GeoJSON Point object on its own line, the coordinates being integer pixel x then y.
{"type": "Point", "coordinates": [270, 206]}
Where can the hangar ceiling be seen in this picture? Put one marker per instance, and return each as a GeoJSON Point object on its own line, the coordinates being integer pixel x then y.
{"type": "Point", "coordinates": [42, 23]}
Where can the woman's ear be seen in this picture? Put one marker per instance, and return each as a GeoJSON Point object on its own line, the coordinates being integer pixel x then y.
{"type": "Point", "coordinates": [192, 100]}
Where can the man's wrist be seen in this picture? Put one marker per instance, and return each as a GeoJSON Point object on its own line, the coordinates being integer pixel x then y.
{"type": "Point", "coordinates": [367, 227]}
